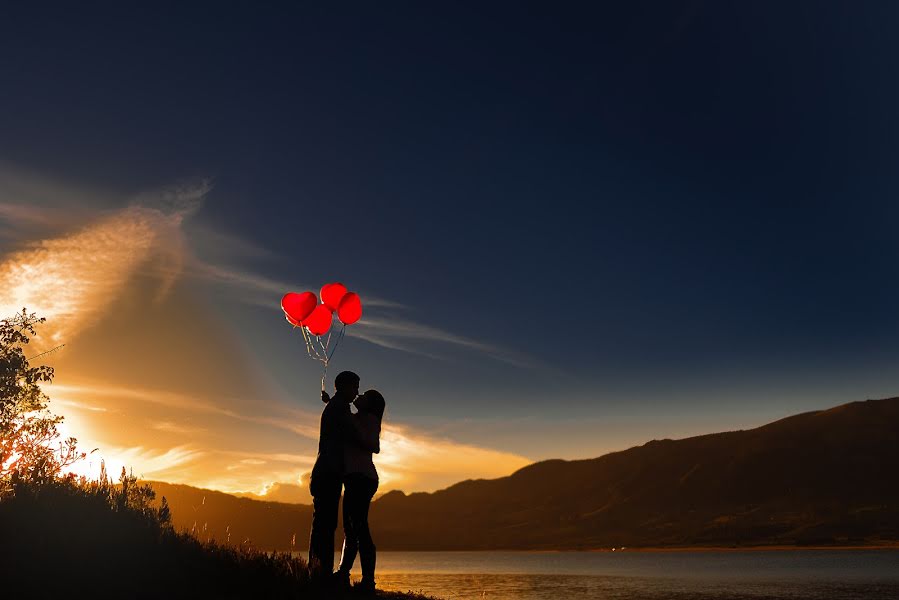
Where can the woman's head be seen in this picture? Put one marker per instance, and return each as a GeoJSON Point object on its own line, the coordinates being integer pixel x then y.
{"type": "Point", "coordinates": [372, 402]}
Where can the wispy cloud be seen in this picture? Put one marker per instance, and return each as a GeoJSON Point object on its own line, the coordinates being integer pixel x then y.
{"type": "Point", "coordinates": [171, 427]}
{"type": "Point", "coordinates": [24, 214]}
{"type": "Point", "coordinates": [390, 331]}
{"type": "Point", "coordinates": [298, 422]}
{"type": "Point", "coordinates": [81, 405]}
{"type": "Point", "coordinates": [261, 290]}
{"type": "Point", "coordinates": [73, 279]}
{"type": "Point", "coordinates": [146, 463]}
{"type": "Point", "coordinates": [256, 458]}
{"type": "Point", "coordinates": [216, 244]}
{"type": "Point", "coordinates": [398, 334]}
{"type": "Point", "coordinates": [408, 460]}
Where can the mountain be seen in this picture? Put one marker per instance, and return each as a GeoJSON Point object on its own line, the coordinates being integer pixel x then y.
{"type": "Point", "coordinates": [230, 519]}
{"type": "Point", "coordinates": [823, 477]}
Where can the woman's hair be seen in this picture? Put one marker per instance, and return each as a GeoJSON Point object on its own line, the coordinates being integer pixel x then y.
{"type": "Point", "coordinates": [375, 403]}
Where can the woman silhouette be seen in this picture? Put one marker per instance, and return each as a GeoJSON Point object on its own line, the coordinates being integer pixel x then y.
{"type": "Point", "coordinates": [360, 484]}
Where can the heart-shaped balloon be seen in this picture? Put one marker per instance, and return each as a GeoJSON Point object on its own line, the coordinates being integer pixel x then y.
{"type": "Point", "coordinates": [319, 322]}
{"type": "Point", "coordinates": [332, 293]}
{"type": "Point", "coordinates": [298, 306]}
{"type": "Point", "coordinates": [350, 308]}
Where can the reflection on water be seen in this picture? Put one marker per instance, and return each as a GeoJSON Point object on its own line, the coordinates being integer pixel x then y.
{"type": "Point", "coordinates": [794, 575]}
{"type": "Point", "coordinates": [554, 587]}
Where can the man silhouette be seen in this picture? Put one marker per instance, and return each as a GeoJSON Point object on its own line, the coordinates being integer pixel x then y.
{"type": "Point", "coordinates": [327, 474]}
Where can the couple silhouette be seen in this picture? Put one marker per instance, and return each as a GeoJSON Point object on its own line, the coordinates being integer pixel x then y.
{"type": "Point", "coordinates": [346, 443]}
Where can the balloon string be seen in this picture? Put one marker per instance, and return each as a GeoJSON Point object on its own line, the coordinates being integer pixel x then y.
{"type": "Point", "coordinates": [324, 354]}
{"type": "Point", "coordinates": [325, 358]}
{"type": "Point", "coordinates": [311, 350]}
{"type": "Point", "coordinates": [318, 355]}
{"type": "Point", "coordinates": [306, 339]}
{"type": "Point", "coordinates": [337, 343]}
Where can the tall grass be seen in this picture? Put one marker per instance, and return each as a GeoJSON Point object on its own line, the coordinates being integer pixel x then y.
{"type": "Point", "coordinates": [99, 539]}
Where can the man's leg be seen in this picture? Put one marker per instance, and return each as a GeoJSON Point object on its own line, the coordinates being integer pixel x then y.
{"type": "Point", "coordinates": [324, 521]}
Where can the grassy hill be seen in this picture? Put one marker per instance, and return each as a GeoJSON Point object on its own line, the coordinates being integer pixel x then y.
{"type": "Point", "coordinates": [822, 477]}
{"type": "Point", "coordinates": [225, 518]}
{"type": "Point", "coordinates": [97, 540]}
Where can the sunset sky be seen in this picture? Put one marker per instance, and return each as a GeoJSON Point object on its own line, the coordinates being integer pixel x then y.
{"type": "Point", "coordinates": [573, 229]}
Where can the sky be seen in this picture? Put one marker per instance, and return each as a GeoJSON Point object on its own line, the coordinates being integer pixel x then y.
{"type": "Point", "coordinates": [573, 228]}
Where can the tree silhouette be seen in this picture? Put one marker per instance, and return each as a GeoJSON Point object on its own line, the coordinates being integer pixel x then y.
{"type": "Point", "coordinates": [30, 448]}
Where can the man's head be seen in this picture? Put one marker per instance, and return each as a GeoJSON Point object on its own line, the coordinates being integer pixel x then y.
{"type": "Point", "coordinates": [346, 384]}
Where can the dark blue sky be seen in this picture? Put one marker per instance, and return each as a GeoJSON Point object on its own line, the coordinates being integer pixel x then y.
{"type": "Point", "coordinates": [664, 206]}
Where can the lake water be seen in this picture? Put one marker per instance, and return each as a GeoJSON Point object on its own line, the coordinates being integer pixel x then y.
{"type": "Point", "coordinates": [755, 575]}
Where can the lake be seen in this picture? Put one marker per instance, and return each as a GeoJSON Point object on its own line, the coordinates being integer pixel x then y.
{"type": "Point", "coordinates": [704, 575]}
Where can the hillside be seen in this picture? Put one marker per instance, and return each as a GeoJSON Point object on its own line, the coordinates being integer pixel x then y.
{"type": "Point", "coordinates": [227, 518]}
{"type": "Point", "coordinates": [818, 477]}
{"type": "Point", "coordinates": [97, 539]}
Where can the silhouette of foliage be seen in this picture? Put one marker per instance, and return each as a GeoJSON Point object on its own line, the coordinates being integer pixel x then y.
{"type": "Point", "coordinates": [107, 537]}
{"type": "Point", "coordinates": [30, 447]}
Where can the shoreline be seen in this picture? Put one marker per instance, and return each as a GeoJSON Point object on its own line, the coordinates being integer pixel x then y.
{"type": "Point", "coordinates": [753, 548]}
{"type": "Point", "coordinates": [669, 549]}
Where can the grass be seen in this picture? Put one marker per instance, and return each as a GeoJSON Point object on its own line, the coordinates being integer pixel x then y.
{"type": "Point", "coordinates": [95, 539]}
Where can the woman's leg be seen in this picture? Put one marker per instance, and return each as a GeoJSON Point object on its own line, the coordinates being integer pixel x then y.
{"type": "Point", "coordinates": [350, 537]}
{"type": "Point", "coordinates": [367, 550]}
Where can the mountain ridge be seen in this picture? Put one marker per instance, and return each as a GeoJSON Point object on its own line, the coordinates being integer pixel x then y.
{"type": "Point", "coordinates": [810, 478]}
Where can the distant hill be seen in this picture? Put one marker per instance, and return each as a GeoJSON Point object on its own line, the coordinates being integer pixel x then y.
{"type": "Point", "coordinates": [824, 477]}
{"type": "Point", "coordinates": [227, 518]}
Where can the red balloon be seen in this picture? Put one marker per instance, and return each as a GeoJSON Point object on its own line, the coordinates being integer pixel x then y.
{"type": "Point", "coordinates": [332, 293]}
{"type": "Point", "coordinates": [298, 306]}
{"type": "Point", "coordinates": [350, 309]}
{"type": "Point", "coordinates": [319, 322]}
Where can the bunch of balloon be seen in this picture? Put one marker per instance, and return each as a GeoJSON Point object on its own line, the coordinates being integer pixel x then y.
{"type": "Point", "coordinates": [314, 318]}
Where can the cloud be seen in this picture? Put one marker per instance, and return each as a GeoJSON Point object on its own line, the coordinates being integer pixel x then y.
{"type": "Point", "coordinates": [291, 493]}
{"type": "Point", "coordinates": [146, 463]}
{"type": "Point", "coordinates": [32, 204]}
{"type": "Point", "coordinates": [299, 422]}
{"type": "Point", "coordinates": [223, 246]}
{"type": "Point", "coordinates": [26, 214]}
{"type": "Point", "coordinates": [73, 279]}
{"type": "Point", "coordinates": [264, 291]}
{"type": "Point", "coordinates": [261, 458]}
{"type": "Point", "coordinates": [390, 332]}
{"type": "Point", "coordinates": [170, 427]}
{"type": "Point", "coordinates": [81, 405]}
{"type": "Point", "coordinates": [412, 461]}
